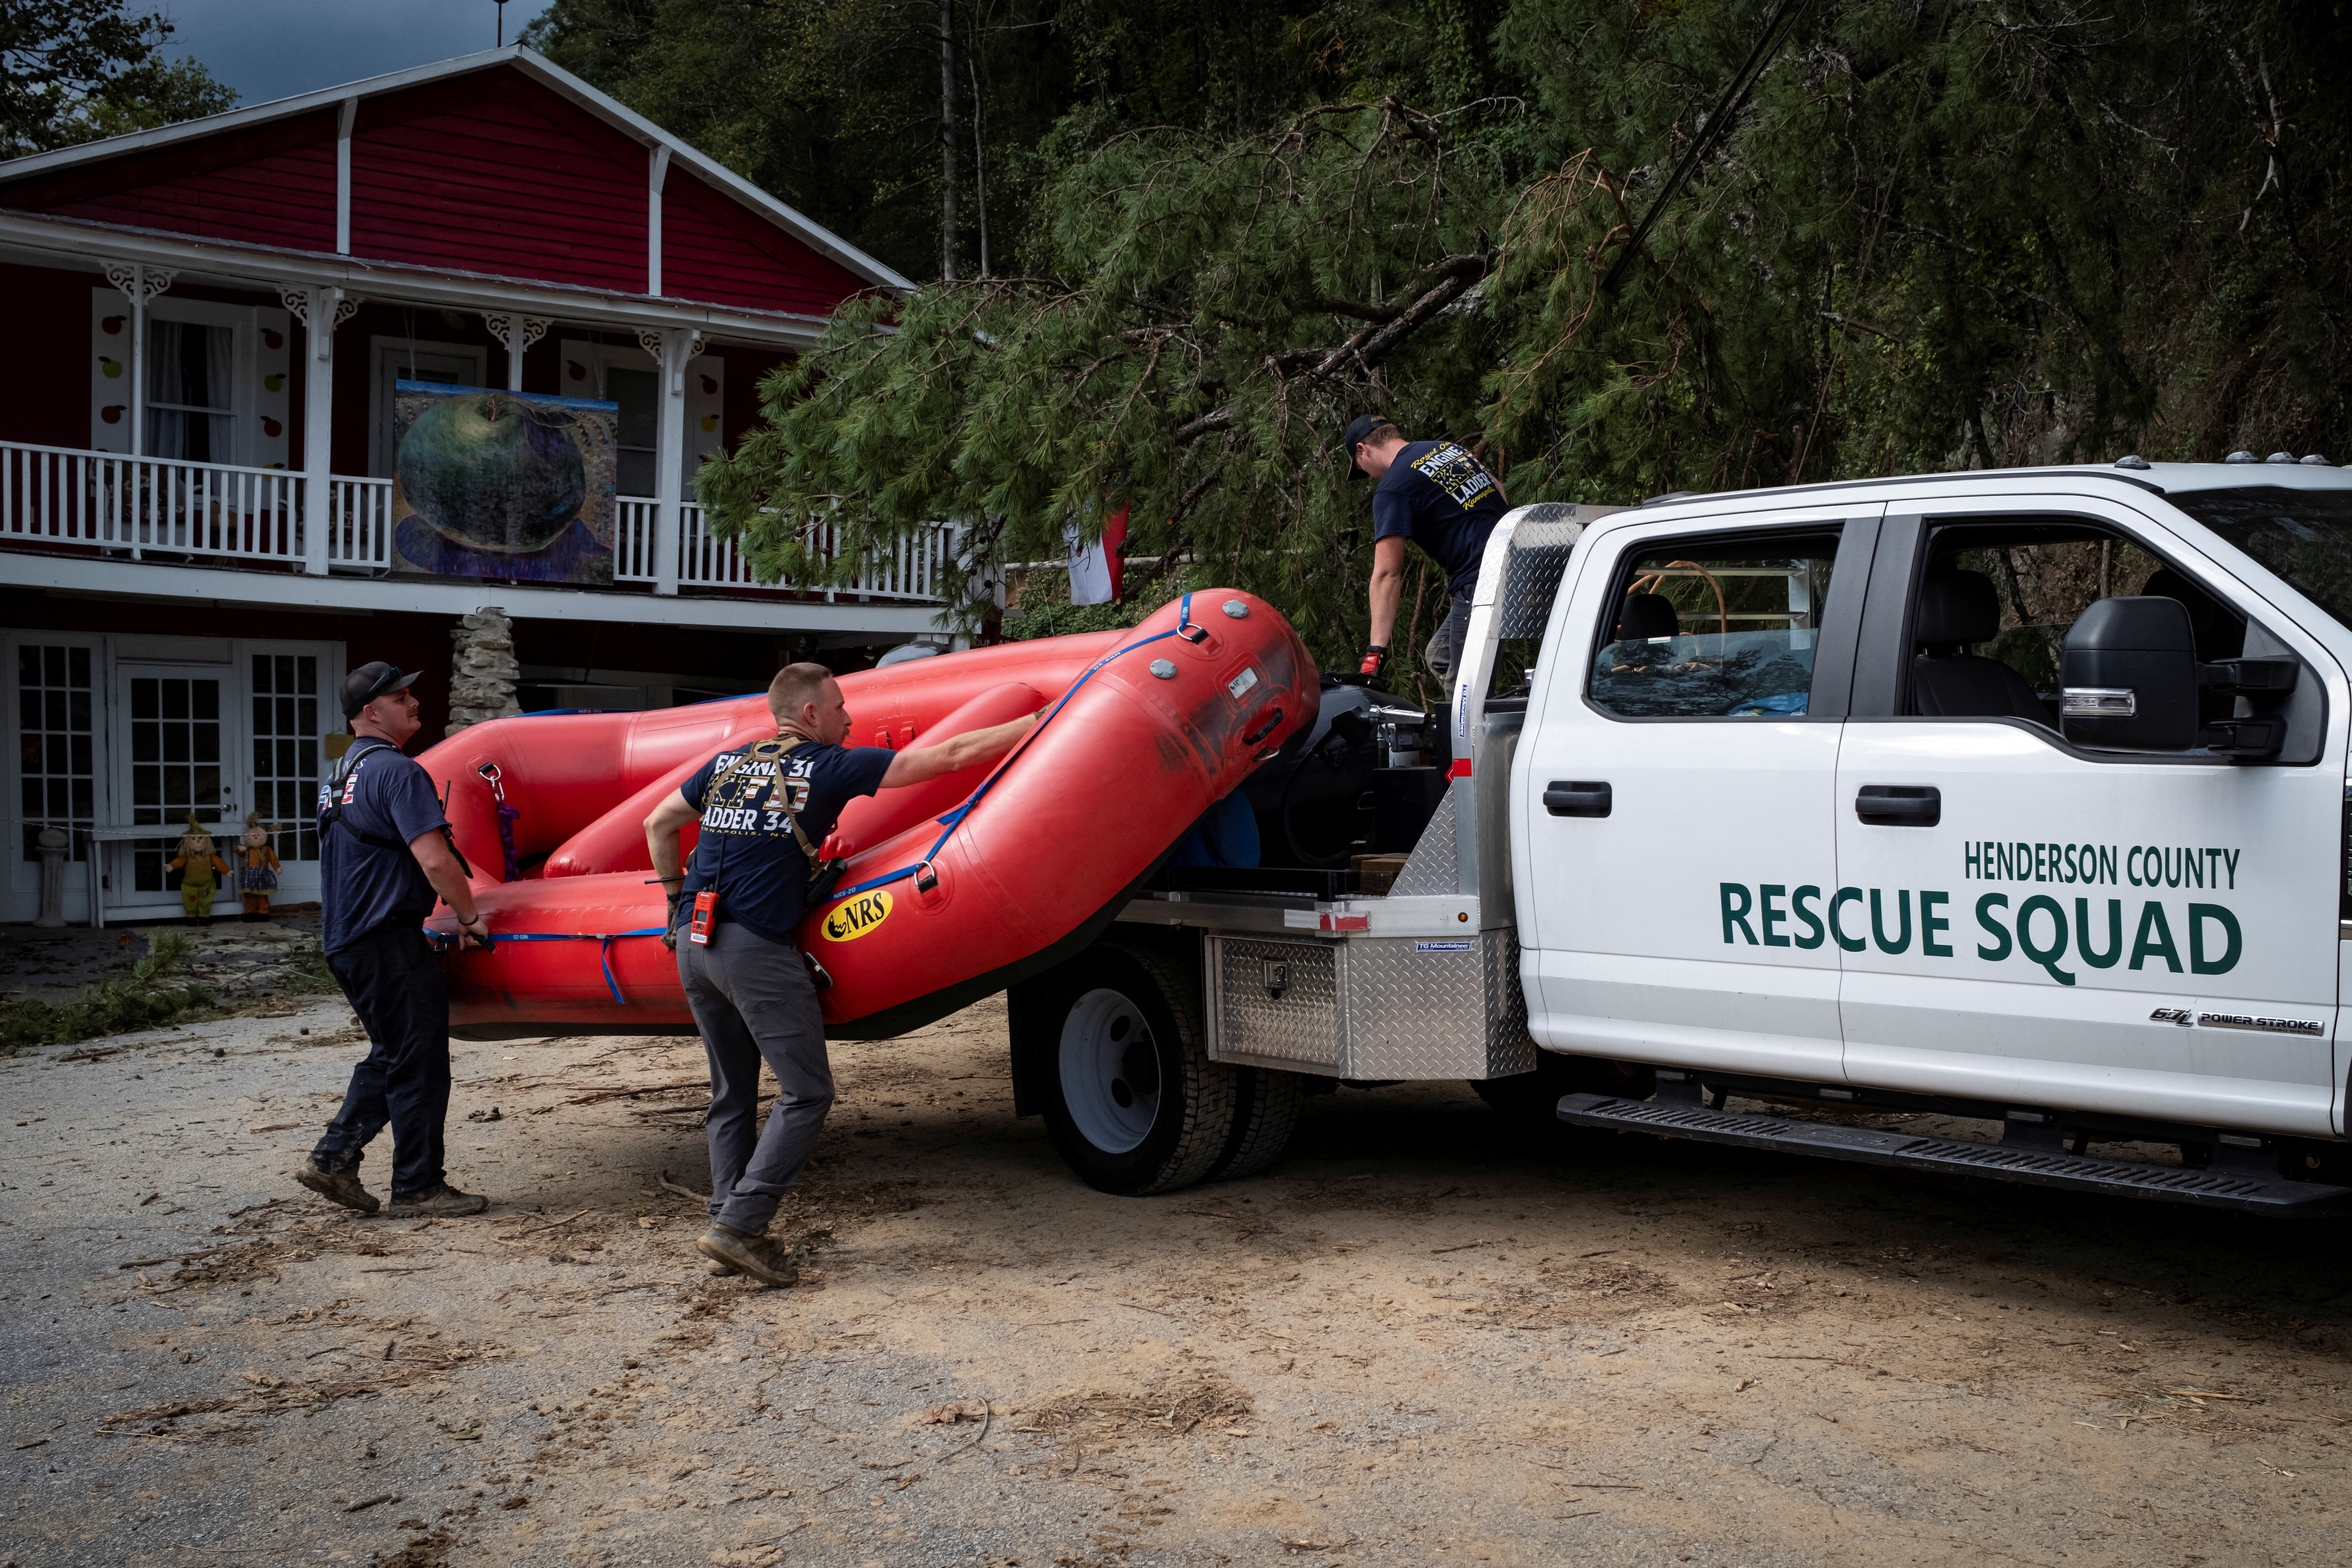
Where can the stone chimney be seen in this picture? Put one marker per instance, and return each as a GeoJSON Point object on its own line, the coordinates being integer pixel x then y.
{"type": "Point", "coordinates": [482, 669]}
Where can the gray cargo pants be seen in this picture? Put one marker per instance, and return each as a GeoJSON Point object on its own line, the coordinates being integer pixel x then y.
{"type": "Point", "coordinates": [753, 1002]}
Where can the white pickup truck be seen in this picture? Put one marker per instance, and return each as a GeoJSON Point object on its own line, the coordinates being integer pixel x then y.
{"type": "Point", "coordinates": [2018, 797]}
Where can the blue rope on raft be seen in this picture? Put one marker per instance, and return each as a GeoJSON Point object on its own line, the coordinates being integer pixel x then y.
{"type": "Point", "coordinates": [954, 819]}
{"type": "Point", "coordinates": [951, 821]}
{"type": "Point", "coordinates": [604, 951]}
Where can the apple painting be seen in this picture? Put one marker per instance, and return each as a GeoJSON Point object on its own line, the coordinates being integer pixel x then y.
{"type": "Point", "coordinates": [110, 325]}
{"type": "Point", "coordinates": [488, 471]}
{"type": "Point", "coordinates": [109, 368]}
{"type": "Point", "coordinates": [272, 428]}
{"type": "Point", "coordinates": [274, 382]}
{"type": "Point", "coordinates": [112, 412]}
{"type": "Point", "coordinates": [273, 338]}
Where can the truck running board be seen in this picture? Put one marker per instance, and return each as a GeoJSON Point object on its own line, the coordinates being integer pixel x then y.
{"type": "Point", "coordinates": [2250, 1190]}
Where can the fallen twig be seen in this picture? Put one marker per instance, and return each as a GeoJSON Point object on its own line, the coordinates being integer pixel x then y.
{"type": "Point", "coordinates": [682, 1192]}
{"type": "Point", "coordinates": [1464, 1248]}
{"type": "Point", "coordinates": [534, 1230]}
{"type": "Point", "coordinates": [988, 1414]}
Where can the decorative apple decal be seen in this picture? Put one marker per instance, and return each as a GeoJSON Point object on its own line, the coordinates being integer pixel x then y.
{"type": "Point", "coordinates": [710, 424]}
{"type": "Point", "coordinates": [272, 428]}
{"type": "Point", "coordinates": [110, 325]}
{"type": "Point", "coordinates": [709, 385]}
{"type": "Point", "coordinates": [575, 370]}
{"type": "Point", "coordinates": [111, 414]}
{"type": "Point", "coordinates": [274, 382]}
{"type": "Point", "coordinates": [109, 368]}
{"type": "Point", "coordinates": [273, 338]}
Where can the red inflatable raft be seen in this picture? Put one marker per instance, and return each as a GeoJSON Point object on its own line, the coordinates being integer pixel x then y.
{"type": "Point", "coordinates": [955, 888]}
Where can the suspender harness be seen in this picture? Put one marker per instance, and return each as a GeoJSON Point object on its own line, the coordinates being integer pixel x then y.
{"type": "Point", "coordinates": [332, 817]}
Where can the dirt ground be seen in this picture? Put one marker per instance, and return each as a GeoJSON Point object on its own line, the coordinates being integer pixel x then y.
{"type": "Point", "coordinates": [1426, 1337]}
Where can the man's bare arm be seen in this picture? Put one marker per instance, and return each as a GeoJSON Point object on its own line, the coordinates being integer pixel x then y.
{"type": "Point", "coordinates": [661, 840]}
{"type": "Point", "coordinates": [1387, 585]}
{"type": "Point", "coordinates": [448, 878]}
{"type": "Point", "coordinates": [956, 753]}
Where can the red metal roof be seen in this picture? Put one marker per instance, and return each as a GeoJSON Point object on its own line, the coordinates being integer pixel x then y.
{"type": "Point", "coordinates": [496, 165]}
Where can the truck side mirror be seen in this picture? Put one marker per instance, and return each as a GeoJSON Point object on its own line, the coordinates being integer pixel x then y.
{"type": "Point", "coordinates": [2127, 678]}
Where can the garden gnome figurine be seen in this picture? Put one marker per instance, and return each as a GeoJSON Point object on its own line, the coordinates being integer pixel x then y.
{"type": "Point", "coordinates": [201, 872]}
{"type": "Point", "coordinates": [256, 869]}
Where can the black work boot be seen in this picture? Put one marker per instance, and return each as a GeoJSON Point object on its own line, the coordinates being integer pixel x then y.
{"type": "Point", "coordinates": [336, 1186]}
{"type": "Point", "coordinates": [757, 1255]}
{"type": "Point", "coordinates": [442, 1202]}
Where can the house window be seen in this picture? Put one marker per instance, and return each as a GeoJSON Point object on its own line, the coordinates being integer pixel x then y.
{"type": "Point", "coordinates": [175, 765]}
{"type": "Point", "coordinates": [54, 740]}
{"type": "Point", "coordinates": [191, 396]}
{"type": "Point", "coordinates": [286, 751]}
{"type": "Point", "coordinates": [639, 393]}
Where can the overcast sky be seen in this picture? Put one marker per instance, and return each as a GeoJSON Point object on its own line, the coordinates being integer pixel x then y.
{"type": "Point", "coordinates": [275, 48]}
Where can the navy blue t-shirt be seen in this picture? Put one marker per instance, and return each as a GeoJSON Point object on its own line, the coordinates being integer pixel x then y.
{"type": "Point", "coordinates": [747, 849]}
{"type": "Point", "coordinates": [1437, 495]}
{"type": "Point", "coordinates": [385, 796]}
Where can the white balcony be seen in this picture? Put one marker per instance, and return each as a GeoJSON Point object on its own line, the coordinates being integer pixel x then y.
{"type": "Point", "coordinates": [59, 500]}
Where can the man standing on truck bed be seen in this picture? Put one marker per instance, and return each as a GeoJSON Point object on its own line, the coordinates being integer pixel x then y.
{"type": "Point", "coordinates": [765, 808]}
{"type": "Point", "coordinates": [1437, 495]}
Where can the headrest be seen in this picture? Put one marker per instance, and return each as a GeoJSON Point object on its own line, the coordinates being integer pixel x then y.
{"type": "Point", "coordinates": [1957, 607]}
{"type": "Point", "coordinates": [2164, 583]}
{"type": "Point", "coordinates": [1647, 615]}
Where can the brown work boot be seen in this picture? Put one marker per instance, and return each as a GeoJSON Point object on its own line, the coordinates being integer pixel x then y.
{"type": "Point", "coordinates": [442, 1202]}
{"type": "Point", "coordinates": [336, 1186]}
{"type": "Point", "coordinates": [744, 1254]}
{"type": "Point", "coordinates": [719, 1267]}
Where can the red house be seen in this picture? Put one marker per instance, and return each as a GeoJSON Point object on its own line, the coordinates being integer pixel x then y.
{"type": "Point", "coordinates": [199, 524]}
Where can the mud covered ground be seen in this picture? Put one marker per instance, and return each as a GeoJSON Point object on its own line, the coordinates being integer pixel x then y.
{"type": "Point", "coordinates": [1427, 1337]}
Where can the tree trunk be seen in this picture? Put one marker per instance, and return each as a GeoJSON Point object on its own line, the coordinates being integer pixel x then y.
{"type": "Point", "coordinates": [947, 141]}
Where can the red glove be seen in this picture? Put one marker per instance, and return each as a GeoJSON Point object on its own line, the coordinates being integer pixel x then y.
{"type": "Point", "coordinates": [1375, 655]}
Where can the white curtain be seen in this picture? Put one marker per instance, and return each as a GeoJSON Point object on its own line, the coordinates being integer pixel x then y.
{"type": "Point", "coordinates": [190, 367]}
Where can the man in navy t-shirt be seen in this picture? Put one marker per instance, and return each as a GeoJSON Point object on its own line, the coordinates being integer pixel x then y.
{"type": "Point", "coordinates": [383, 858]}
{"type": "Point", "coordinates": [765, 812]}
{"type": "Point", "coordinates": [1437, 495]}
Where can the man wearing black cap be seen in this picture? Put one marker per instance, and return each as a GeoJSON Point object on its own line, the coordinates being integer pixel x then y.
{"type": "Point", "coordinates": [1437, 495]}
{"type": "Point", "coordinates": [385, 853]}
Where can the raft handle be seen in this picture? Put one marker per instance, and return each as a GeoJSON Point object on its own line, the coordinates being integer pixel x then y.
{"type": "Point", "coordinates": [1262, 730]}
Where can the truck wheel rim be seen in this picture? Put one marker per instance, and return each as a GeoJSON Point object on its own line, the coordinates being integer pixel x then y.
{"type": "Point", "coordinates": [1111, 1071]}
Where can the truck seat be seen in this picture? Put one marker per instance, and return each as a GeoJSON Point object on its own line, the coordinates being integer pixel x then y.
{"type": "Point", "coordinates": [1647, 617]}
{"type": "Point", "coordinates": [1957, 609]}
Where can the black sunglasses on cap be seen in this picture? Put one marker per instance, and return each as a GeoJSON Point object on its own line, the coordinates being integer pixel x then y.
{"type": "Point", "coordinates": [369, 681]}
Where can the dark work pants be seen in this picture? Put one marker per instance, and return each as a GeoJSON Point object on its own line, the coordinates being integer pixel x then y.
{"type": "Point", "coordinates": [393, 983]}
{"type": "Point", "coordinates": [754, 1001]}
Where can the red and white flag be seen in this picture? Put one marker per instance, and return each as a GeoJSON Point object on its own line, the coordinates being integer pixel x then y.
{"type": "Point", "coordinates": [1096, 571]}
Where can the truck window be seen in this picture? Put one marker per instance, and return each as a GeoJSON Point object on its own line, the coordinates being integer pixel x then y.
{"type": "Point", "coordinates": [2305, 536]}
{"type": "Point", "coordinates": [1989, 616]}
{"type": "Point", "coordinates": [1710, 628]}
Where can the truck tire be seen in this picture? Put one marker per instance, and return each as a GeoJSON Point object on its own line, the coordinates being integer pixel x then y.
{"type": "Point", "coordinates": [1533, 1097]}
{"type": "Point", "coordinates": [1112, 1044]}
{"type": "Point", "coordinates": [1266, 1118]}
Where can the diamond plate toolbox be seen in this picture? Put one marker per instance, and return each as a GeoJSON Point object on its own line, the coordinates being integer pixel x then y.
{"type": "Point", "coordinates": [1275, 1004]}
{"type": "Point", "coordinates": [1370, 1007]}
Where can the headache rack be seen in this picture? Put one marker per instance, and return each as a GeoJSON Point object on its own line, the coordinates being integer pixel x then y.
{"type": "Point", "coordinates": [1304, 971]}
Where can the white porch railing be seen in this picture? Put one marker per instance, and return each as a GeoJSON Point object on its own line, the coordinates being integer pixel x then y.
{"type": "Point", "coordinates": [359, 528]}
{"type": "Point", "coordinates": [54, 495]}
{"type": "Point", "coordinates": [134, 507]}
{"type": "Point", "coordinates": [912, 570]}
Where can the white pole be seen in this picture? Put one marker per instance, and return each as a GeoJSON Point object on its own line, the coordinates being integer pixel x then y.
{"type": "Point", "coordinates": [321, 306]}
{"type": "Point", "coordinates": [139, 362]}
{"type": "Point", "coordinates": [671, 351]}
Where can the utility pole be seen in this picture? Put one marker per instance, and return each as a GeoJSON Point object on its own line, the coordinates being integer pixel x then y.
{"type": "Point", "coordinates": [947, 141]}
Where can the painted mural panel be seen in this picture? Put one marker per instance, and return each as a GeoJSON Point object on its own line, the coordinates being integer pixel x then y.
{"type": "Point", "coordinates": [503, 485]}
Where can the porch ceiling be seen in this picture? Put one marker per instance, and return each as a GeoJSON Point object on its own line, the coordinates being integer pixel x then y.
{"type": "Point", "coordinates": [81, 245]}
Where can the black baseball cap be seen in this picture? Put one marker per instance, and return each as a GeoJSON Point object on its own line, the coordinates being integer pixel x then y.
{"type": "Point", "coordinates": [369, 681]}
{"type": "Point", "coordinates": [1359, 428]}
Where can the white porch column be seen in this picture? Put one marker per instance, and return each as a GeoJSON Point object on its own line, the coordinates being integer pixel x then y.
{"type": "Point", "coordinates": [320, 310]}
{"type": "Point", "coordinates": [518, 333]}
{"type": "Point", "coordinates": [139, 284]}
{"type": "Point", "coordinates": [671, 348]}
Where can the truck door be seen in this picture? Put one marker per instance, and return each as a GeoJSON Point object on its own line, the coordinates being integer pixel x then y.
{"type": "Point", "coordinates": [1673, 839]}
{"type": "Point", "coordinates": [2026, 920]}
